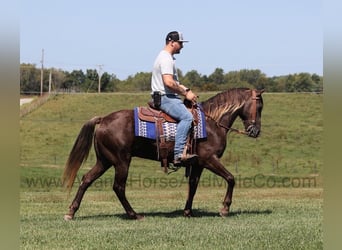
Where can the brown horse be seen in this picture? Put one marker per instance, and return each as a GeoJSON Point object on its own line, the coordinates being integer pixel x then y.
{"type": "Point", "coordinates": [115, 145]}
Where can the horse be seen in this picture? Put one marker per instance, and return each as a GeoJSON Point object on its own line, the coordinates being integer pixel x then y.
{"type": "Point", "coordinates": [115, 144]}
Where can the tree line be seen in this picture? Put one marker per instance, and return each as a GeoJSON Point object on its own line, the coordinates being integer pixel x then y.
{"type": "Point", "coordinates": [88, 81]}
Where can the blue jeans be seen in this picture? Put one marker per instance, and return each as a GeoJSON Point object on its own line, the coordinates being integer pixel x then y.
{"type": "Point", "coordinates": [173, 106]}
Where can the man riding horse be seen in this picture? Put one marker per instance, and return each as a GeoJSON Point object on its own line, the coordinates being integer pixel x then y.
{"type": "Point", "coordinates": [115, 141]}
{"type": "Point", "coordinates": [166, 86]}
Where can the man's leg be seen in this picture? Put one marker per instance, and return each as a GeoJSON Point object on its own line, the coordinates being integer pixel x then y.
{"type": "Point", "coordinates": [183, 128]}
{"type": "Point", "coordinates": [175, 108]}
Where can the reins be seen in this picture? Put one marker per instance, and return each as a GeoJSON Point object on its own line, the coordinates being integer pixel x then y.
{"type": "Point", "coordinates": [238, 131]}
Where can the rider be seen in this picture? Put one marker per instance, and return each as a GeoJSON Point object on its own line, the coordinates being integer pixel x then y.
{"type": "Point", "coordinates": [165, 81]}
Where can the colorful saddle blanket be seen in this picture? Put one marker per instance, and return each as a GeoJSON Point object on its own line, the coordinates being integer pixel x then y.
{"type": "Point", "coordinates": [148, 129]}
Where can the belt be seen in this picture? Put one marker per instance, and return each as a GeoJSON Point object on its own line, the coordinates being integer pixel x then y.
{"type": "Point", "coordinates": [170, 95]}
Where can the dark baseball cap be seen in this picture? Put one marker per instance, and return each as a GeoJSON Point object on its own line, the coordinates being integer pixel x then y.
{"type": "Point", "coordinates": [175, 36]}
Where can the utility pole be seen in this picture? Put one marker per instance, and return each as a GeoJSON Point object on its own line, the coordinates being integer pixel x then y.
{"type": "Point", "coordinates": [100, 75]}
{"type": "Point", "coordinates": [41, 74]}
{"type": "Point", "coordinates": [50, 80]}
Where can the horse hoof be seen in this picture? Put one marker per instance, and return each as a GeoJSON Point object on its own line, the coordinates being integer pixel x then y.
{"type": "Point", "coordinates": [68, 217]}
{"type": "Point", "coordinates": [224, 212]}
{"type": "Point", "coordinates": [188, 213]}
{"type": "Point", "coordinates": [135, 216]}
{"type": "Point", "coordinates": [140, 217]}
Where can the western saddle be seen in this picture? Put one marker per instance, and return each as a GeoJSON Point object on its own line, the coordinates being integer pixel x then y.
{"type": "Point", "coordinates": [157, 116]}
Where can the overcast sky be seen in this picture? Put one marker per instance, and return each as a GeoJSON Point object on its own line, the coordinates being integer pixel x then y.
{"type": "Point", "coordinates": [278, 37]}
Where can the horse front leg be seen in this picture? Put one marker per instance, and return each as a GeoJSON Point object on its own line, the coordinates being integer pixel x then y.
{"type": "Point", "coordinates": [229, 196]}
{"type": "Point", "coordinates": [193, 184]}
{"type": "Point", "coordinates": [119, 187]}
{"type": "Point", "coordinates": [216, 167]}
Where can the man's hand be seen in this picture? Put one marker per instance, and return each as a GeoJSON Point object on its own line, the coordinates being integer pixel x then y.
{"type": "Point", "coordinates": [191, 96]}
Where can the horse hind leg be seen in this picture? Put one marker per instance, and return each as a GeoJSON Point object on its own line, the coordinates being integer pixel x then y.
{"type": "Point", "coordinates": [87, 179]}
{"type": "Point", "coordinates": [193, 184]}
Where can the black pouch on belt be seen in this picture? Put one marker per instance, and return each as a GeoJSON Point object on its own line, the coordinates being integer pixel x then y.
{"type": "Point", "coordinates": [156, 99]}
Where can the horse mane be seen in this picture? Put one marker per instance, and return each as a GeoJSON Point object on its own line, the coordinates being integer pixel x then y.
{"type": "Point", "coordinates": [225, 102]}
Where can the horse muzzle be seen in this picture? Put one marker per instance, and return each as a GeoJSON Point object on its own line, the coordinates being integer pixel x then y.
{"type": "Point", "coordinates": [252, 131]}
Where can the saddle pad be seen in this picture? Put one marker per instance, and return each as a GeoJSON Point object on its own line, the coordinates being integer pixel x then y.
{"type": "Point", "coordinates": [148, 129]}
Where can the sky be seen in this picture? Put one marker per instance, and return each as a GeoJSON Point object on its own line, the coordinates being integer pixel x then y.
{"type": "Point", "coordinates": [277, 37]}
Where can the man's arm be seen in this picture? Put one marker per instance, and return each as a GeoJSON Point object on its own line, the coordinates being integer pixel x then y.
{"type": "Point", "coordinates": [178, 88]}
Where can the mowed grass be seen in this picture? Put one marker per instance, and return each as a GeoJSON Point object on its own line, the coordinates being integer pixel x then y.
{"type": "Point", "coordinates": [277, 202]}
{"type": "Point", "coordinates": [260, 219]}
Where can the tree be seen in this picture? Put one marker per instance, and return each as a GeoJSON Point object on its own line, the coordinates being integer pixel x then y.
{"type": "Point", "coordinates": [290, 83]}
{"type": "Point", "coordinates": [217, 81]}
{"type": "Point", "coordinates": [217, 77]}
{"type": "Point", "coordinates": [245, 78]}
{"type": "Point", "coordinates": [253, 77]}
{"type": "Point", "coordinates": [192, 79]}
{"type": "Point", "coordinates": [29, 79]}
{"type": "Point", "coordinates": [58, 78]}
{"type": "Point", "coordinates": [304, 83]}
{"type": "Point", "coordinates": [105, 81]}
{"type": "Point", "coordinates": [74, 80]}
{"type": "Point", "coordinates": [113, 85]}
{"type": "Point", "coordinates": [91, 81]}
{"type": "Point", "coordinates": [276, 84]}
{"type": "Point", "coordinates": [318, 82]}
{"type": "Point", "coordinates": [139, 82]}
{"type": "Point", "coordinates": [261, 82]}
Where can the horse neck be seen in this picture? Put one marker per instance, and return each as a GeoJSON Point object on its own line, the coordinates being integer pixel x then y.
{"type": "Point", "coordinates": [228, 119]}
{"type": "Point", "coordinates": [224, 107]}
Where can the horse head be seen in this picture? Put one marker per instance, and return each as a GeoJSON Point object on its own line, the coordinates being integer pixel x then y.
{"type": "Point", "coordinates": [251, 112]}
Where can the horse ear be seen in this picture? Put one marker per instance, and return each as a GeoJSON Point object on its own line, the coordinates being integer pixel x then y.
{"type": "Point", "coordinates": [261, 91]}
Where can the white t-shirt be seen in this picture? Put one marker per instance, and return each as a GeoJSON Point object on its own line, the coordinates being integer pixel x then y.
{"type": "Point", "coordinates": [164, 64]}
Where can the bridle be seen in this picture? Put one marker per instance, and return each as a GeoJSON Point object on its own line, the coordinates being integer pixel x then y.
{"type": "Point", "coordinates": [254, 107]}
{"type": "Point", "coordinates": [251, 120]}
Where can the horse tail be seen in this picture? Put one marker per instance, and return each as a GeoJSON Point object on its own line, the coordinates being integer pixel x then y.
{"type": "Point", "coordinates": [80, 151]}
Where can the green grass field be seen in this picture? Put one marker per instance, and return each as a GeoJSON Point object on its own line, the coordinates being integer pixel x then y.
{"type": "Point", "coordinates": [277, 202]}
